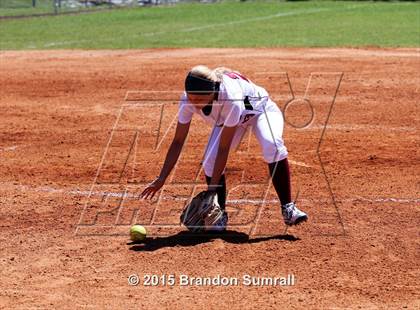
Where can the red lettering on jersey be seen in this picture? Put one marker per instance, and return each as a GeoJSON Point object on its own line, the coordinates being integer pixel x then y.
{"type": "Point", "coordinates": [236, 75]}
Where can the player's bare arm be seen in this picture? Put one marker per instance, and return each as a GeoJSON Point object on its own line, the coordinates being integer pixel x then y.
{"type": "Point", "coordinates": [222, 155]}
{"type": "Point", "coordinates": [171, 159]}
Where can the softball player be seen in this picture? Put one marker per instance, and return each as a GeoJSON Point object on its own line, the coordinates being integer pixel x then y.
{"type": "Point", "coordinates": [231, 103]}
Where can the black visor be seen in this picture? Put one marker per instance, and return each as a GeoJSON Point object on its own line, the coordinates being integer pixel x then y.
{"type": "Point", "coordinates": [198, 85]}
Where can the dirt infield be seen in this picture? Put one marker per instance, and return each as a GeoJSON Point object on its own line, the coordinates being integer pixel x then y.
{"type": "Point", "coordinates": [78, 130]}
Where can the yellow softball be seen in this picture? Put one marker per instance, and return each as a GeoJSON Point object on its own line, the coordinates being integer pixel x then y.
{"type": "Point", "coordinates": [137, 233]}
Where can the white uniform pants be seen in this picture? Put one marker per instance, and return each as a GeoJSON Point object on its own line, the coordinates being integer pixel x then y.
{"type": "Point", "coordinates": [267, 128]}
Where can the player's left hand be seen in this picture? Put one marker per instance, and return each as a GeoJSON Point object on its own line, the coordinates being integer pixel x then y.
{"type": "Point", "coordinates": [152, 188]}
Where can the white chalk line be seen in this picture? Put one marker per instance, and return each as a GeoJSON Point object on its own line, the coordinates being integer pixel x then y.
{"type": "Point", "coordinates": [9, 148]}
{"type": "Point", "coordinates": [350, 127]}
{"type": "Point", "coordinates": [255, 19]}
{"type": "Point", "coordinates": [238, 22]}
{"type": "Point", "coordinates": [299, 163]}
{"type": "Point", "coordinates": [105, 194]}
{"type": "Point", "coordinates": [191, 29]}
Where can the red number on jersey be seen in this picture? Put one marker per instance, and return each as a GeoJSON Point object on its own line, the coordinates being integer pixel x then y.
{"type": "Point", "coordinates": [236, 75]}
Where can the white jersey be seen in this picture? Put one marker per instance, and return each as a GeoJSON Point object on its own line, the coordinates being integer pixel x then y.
{"type": "Point", "coordinates": [238, 101]}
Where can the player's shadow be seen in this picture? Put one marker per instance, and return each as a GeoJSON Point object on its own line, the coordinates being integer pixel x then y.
{"type": "Point", "coordinates": [186, 238]}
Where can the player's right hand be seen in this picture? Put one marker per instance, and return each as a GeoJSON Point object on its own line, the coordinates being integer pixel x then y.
{"type": "Point", "coordinates": [152, 188]}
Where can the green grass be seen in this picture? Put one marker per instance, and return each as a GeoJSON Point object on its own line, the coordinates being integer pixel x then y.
{"type": "Point", "coordinates": [226, 24]}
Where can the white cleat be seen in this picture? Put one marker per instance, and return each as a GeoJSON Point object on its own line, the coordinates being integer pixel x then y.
{"type": "Point", "coordinates": [292, 215]}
